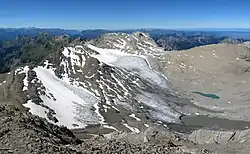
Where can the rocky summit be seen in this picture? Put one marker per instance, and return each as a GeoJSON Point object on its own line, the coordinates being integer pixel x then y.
{"type": "Point", "coordinates": [122, 93]}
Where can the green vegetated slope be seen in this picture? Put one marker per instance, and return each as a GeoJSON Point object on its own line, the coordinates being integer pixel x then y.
{"type": "Point", "coordinates": [28, 50]}
{"type": "Point", "coordinates": [23, 51]}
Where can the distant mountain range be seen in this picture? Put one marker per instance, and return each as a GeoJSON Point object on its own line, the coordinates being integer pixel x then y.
{"type": "Point", "coordinates": [12, 39]}
{"type": "Point", "coordinates": [35, 42]}
{"type": "Point", "coordinates": [12, 33]}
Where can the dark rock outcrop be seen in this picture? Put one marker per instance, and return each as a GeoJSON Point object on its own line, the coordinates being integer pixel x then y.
{"type": "Point", "coordinates": [25, 133]}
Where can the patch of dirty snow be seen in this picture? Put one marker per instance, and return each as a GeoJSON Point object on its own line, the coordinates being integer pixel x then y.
{"type": "Point", "coordinates": [160, 110]}
{"type": "Point", "coordinates": [133, 129]}
{"type": "Point", "coordinates": [135, 63]}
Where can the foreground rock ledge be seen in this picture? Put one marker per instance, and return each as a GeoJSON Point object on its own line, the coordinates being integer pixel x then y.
{"type": "Point", "coordinates": [23, 133]}
{"type": "Point", "coordinates": [26, 133]}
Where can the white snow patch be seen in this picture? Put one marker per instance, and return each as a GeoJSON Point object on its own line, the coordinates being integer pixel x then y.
{"type": "Point", "coordinates": [65, 76]}
{"type": "Point", "coordinates": [105, 108]}
{"type": "Point", "coordinates": [110, 127]}
{"type": "Point", "coordinates": [25, 80]}
{"type": "Point", "coordinates": [89, 77]}
{"type": "Point", "coordinates": [160, 122]}
{"type": "Point", "coordinates": [19, 70]}
{"type": "Point", "coordinates": [97, 111]}
{"type": "Point", "coordinates": [135, 38]}
{"type": "Point", "coordinates": [133, 129]}
{"type": "Point", "coordinates": [36, 109]}
{"type": "Point", "coordinates": [74, 55]}
{"type": "Point", "coordinates": [72, 105]}
{"type": "Point", "coordinates": [197, 113]}
{"type": "Point", "coordinates": [119, 83]}
{"type": "Point", "coordinates": [149, 43]}
{"type": "Point", "coordinates": [146, 125]}
{"type": "Point", "coordinates": [115, 108]}
{"type": "Point", "coordinates": [136, 83]}
{"type": "Point", "coordinates": [136, 118]}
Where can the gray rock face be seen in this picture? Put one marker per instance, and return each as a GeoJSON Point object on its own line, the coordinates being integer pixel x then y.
{"type": "Point", "coordinates": [203, 136]}
{"type": "Point", "coordinates": [25, 133]}
{"type": "Point", "coordinates": [135, 43]}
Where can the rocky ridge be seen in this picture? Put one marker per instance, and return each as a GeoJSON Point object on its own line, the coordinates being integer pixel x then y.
{"type": "Point", "coordinates": [101, 79]}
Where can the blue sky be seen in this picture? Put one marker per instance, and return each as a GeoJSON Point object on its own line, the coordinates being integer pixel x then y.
{"type": "Point", "coordinates": [125, 14]}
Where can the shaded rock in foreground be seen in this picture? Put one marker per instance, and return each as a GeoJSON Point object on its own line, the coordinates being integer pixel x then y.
{"type": "Point", "coordinates": [26, 133]}
{"type": "Point", "coordinates": [153, 140]}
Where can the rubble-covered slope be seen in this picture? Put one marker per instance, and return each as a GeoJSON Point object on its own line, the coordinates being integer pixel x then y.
{"type": "Point", "coordinates": [221, 70]}
{"type": "Point", "coordinates": [25, 133]}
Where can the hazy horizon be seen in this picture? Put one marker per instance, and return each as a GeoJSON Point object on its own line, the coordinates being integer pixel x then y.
{"type": "Point", "coordinates": [177, 29]}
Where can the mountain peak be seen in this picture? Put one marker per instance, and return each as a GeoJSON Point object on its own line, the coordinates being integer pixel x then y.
{"type": "Point", "coordinates": [136, 43]}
